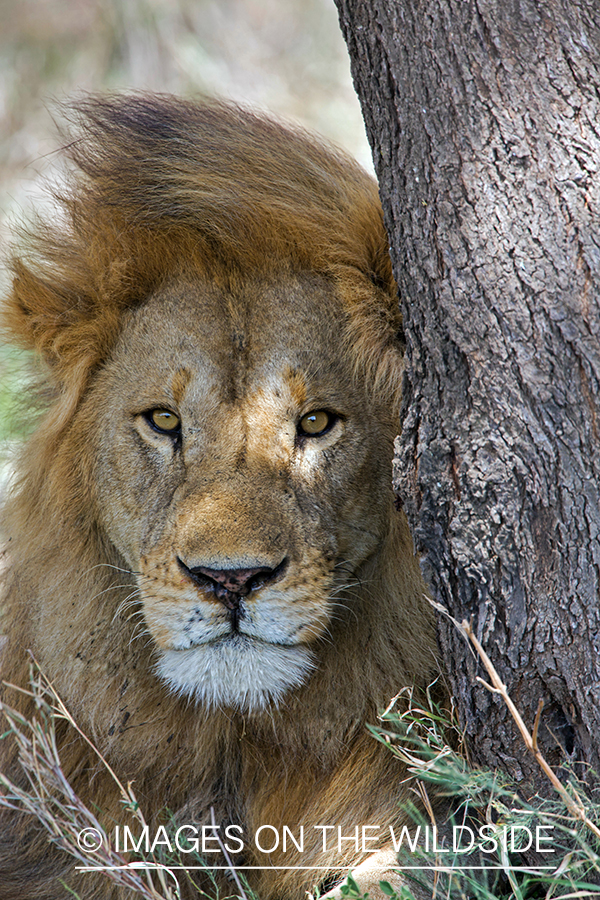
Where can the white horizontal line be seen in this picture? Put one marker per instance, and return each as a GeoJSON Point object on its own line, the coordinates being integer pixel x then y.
{"type": "Point", "coordinates": [156, 866]}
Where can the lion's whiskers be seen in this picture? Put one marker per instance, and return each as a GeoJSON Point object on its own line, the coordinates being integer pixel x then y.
{"type": "Point", "coordinates": [140, 631]}
{"type": "Point", "coordinates": [106, 565]}
{"type": "Point", "coordinates": [314, 631]}
{"type": "Point", "coordinates": [131, 600]}
{"type": "Point", "coordinates": [112, 587]}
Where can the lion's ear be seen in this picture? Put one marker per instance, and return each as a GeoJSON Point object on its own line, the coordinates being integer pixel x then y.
{"type": "Point", "coordinates": [63, 328]}
{"type": "Point", "coordinates": [35, 314]}
{"type": "Point", "coordinates": [374, 333]}
{"type": "Point", "coordinates": [59, 315]}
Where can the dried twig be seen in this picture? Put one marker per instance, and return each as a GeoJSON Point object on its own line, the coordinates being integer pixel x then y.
{"type": "Point", "coordinates": [228, 860]}
{"type": "Point", "coordinates": [573, 803]}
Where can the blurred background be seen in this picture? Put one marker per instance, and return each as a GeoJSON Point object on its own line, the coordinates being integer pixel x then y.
{"type": "Point", "coordinates": [287, 56]}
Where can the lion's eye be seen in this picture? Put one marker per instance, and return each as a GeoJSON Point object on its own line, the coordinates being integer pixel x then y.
{"type": "Point", "coordinates": [316, 423]}
{"type": "Point", "coordinates": [164, 421]}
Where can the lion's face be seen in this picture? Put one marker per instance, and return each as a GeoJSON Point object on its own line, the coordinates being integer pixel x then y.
{"type": "Point", "coordinates": [243, 474]}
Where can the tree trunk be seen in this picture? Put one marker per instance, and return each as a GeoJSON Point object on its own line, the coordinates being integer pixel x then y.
{"type": "Point", "coordinates": [483, 120]}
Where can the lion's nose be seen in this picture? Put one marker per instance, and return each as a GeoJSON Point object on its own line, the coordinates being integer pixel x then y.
{"type": "Point", "coordinates": [229, 585]}
{"type": "Point", "coordinates": [236, 580]}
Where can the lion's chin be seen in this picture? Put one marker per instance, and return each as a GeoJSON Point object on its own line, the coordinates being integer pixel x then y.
{"type": "Point", "coordinates": [237, 672]}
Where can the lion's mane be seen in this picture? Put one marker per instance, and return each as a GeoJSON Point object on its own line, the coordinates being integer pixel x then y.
{"type": "Point", "coordinates": [162, 188]}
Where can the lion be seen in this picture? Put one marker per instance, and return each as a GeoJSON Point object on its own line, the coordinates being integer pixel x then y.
{"type": "Point", "coordinates": [205, 556]}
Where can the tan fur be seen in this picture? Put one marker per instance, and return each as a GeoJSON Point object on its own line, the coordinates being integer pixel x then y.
{"type": "Point", "coordinates": [235, 272]}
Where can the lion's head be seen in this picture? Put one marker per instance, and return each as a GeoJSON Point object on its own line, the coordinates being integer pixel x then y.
{"type": "Point", "coordinates": [242, 473]}
{"type": "Point", "coordinates": [205, 511]}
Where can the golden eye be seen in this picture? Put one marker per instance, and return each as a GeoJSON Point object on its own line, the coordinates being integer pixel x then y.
{"type": "Point", "coordinates": [164, 420]}
{"type": "Point", "coordinates": [316, 423]}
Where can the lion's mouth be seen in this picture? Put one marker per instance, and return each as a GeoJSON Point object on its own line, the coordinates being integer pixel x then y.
{"type": "Point", "coordinates": [238, 642]}
{"type": "Point", "coordinates": [241, 641]}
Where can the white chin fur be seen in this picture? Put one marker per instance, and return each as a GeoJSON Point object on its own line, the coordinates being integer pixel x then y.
{"type": "Point", "coordinates": [237, 672]}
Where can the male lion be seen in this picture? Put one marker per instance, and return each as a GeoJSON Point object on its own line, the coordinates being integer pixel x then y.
{"type": "Point", "coordinates": [204, 553]}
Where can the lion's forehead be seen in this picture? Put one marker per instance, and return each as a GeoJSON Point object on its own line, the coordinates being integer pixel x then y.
{"type": "Point", "coordinates": [253, 333]}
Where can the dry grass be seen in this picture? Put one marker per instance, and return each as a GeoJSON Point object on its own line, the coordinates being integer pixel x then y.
{"type": "Point", "coordinates": [417, 736]}
{"type": "Point", "coordinates": [52, 801]}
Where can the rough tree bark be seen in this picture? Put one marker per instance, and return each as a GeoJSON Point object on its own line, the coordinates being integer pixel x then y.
{"type": "Point", "coordinates": [483, 118]}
